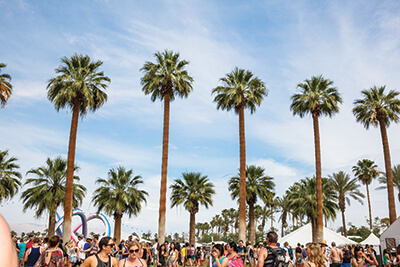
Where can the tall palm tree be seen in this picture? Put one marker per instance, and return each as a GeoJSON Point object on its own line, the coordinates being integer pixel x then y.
{"type": "Point", "coordinates": [227, 220]}
{"type": "Point", "coordinates": [258, 185]}
{"type": "Point", "coordinates": [345, 188]}
{"type": "Point", "coordinates": [304, 198]}
{"type": "Point", "coordinates": [119, 195]}
{"type": "Point", "coordinates": [46, 190]}
{"type": "Point", "coordinates": [5, 86]}
{"type": "Point", "coordinates": [366, 170]}
{"type": "Point", "coordinates": [240, 90]}
{"type": "Point", "coordinates": [79, 86]}
{"type": "Point", "coordinates": [9, 176]}
{"type": "Point", "coordinates": [318, 97]}
{"type": "Point", "coordinates": [192, 190]}
{"type": "Point", "coordinates": [378, 108]}
{"type": "Point", "coordinates": [165, 79]}
{"type": "Point", "coordinates": [396, 180]}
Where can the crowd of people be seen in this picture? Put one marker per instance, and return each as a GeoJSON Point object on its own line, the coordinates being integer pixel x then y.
{"type": "Point", "coordinates": [92, 252]}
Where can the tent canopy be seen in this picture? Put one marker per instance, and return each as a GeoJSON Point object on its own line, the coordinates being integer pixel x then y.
{"type": "Point", "coordinates": [371, 240]}
{"type": "Point", "coordinates": [391, 236]}
{"type": "Point", "coordinates": [303, 235]}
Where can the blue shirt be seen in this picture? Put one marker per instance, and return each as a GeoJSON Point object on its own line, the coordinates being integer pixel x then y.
{"type": "Point", "coordinates": [21, 250]}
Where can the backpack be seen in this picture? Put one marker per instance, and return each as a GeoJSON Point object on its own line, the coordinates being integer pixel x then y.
{"type": "Point", "coordinates": [251, 252]}
{"type": "Point", "coordinates": [279, 257]}
{"type": "Point", "coordinates": [290, 251]}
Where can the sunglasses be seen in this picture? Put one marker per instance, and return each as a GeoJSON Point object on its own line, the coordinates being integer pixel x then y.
{"type": "Point", "coordinates": [110, 245]}
{"type": "Point", "coordinates": [134, 250]}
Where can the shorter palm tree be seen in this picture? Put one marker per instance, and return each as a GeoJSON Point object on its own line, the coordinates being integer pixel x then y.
{"type": "Point", "coordinates": [345, 188]}
{"type": "Point", "coordinates": [192, 191]}
{"type": "Point", "coordinates": [46, 191]}
{"type": "Point", "coordinates": [366, 170]}
{"type": "Point", "coordinates": [258, 185]}
{"type": "Point", "coordinates": [119, 195]}
{"type": "Point", "coordinates": [9, 176]}
{"type": "Point", "coordinates": [5, 86]}
{"type": "Point", "coordinates": [396, 180]}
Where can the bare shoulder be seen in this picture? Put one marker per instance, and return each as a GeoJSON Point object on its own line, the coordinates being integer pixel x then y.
{"type": "Point", "coordinates": [114, 262]}
{"type": "Point", "coordinates": [90, 261]}
{"type": "Point", "coordinates": [8, 253]}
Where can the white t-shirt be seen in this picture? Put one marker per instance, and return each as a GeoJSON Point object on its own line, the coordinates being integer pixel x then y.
{"type": "Point", "coordinates": [81, 245]}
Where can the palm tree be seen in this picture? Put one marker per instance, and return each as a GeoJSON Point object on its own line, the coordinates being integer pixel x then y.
{"type": "Point", "coordinates": [317, 97]}
{"type": "Point", "coordinates": [304, 198]}
{"type": "Point", "coordinates": [165, 79]}
{"type": "Point", "coordinates": [284, 207]}
{"type": "Point", "coordinates": [396, 180]}
{"type": "Point", "coordinates": [192, 191]}
{"type": "Point", "coordinates": [365, 171]}
{"type": "Point", "coordinates": [46, 190]}
{"type": "Point", "coordinates": [5, 86]}
{"type": "Point", "coordinates": [240, 90]}
{"type": "Point", "coordinates": [119, 195]}
{"type": "Point", "coordinates": [345, 188]}
{"type": "Point", "coordinates": [258, 185]}
{"type": "Point", "coordinates": [379, 108]}
{"type": "Point", "coordinates": [79, 86]}
{"type": "Point", "coordinates": [9, 176]}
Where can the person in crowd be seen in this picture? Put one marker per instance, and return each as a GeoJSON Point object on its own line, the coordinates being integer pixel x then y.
{"type": "Point", "coordinates": [102, 257]}
{"type": "Point", "coordinates": [81, 247]}
{"type": "Point", "coordinates": [232, 259]}
{"type": "Point", "coordinates": [123, 250]}
{"type": "Point", "coordinates": [335, 256]}
{"type": "Point", "coordinates": [192, 255]}
{"type": "Point", "coordinates": [172, 255]}
{"type": "Point", "coordinates": [52, 255]}
{"type": "Point", "coordinates": [371, 254]}
{"type": "Point", "coordinates": [299, 256]}
{"type": "Point", "coordinates": [88, 247]}
{"type": "Point", "coordinates": [217, 255]}
{"type": "Point", "coordinates": [187, 254]}
{"type": "Point", "coordinates": [360, 258]}
{"type": "Point", "coordinates": [314, 256]}
{"type": "Point", "coordinates": [162, 256]}
{"type": "Point", "coordinates": [396, 257]}
{"type": "Point", "coordinates": [130, 239]}
{"type": "Point", "coordinates": [21, 247]}
{"type": "Point", "coordinates": [115, 251]}
{"type": "Point", "coordinates": [325, 252]}
{"type": "Point", "coordinates": [265, 258]}
{"type": "Point", "coordinates": [155, 251]}
{"type": "Point", "coordinates": [95, 246]}
{"type": "Point", "coordinates": [33, 253]}
{"type": "Point", "coordinates": [242, 251]}
{"type": "Point", "coordinates": [73, 253]}
{"type": "Point", "coordinates": [386, 259]}
{"type": "Point", "coordinates": [178, 248]}
{"type": "Point", "coordinates": [346, 262]}
{"type": "Point", "coordinates": [250, 254]}
{"type": "Point", "coordinates": [134, 259]}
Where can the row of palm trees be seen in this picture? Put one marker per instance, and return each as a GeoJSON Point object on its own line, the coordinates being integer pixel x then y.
{"type": "Point", "coordinates": [80, 86]}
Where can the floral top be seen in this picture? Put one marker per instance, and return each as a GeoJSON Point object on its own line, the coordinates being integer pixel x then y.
{"type": "Point", "coordinates": [56, 259]}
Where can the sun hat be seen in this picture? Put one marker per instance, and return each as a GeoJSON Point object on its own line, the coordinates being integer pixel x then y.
{"type": "Point", "coordinates": [323, 243]}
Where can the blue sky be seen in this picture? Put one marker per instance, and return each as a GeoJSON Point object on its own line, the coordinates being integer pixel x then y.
{"type": "Point", "coordinates": [355, 44]}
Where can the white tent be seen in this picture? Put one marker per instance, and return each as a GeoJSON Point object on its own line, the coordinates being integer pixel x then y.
{"type": "Point", "coordinates": [391, 235]}
{"type": "Point", "coordinates": [371, 240]}
{"type": "Point", "coordinates": [303, 235]}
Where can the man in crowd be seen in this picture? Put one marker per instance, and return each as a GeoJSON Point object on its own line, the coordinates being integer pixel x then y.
{"type": "Point", "coordinates": [336, 256]}
{"type": "Point", "coordinates": [266, 255]}
{"type": "Point", "coordinates": [242, 251]}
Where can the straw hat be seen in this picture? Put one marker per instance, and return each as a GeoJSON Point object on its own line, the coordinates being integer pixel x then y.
{"type": "Point", "coordinates": [323, 243]}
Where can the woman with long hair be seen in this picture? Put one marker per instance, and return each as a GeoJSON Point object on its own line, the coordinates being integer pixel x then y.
{"type": "Point", "coordinates": [233, 259]}
{"type": "Point", "coordinates": [314, 256]}
{"type": "Point", "coordinates": [134, 259]}
{"type": "Point", "coordinates": [299, 257]}
{"type": "Point", "coordinates": [346, 257]}
{"type": "Point", "coordinates": [52, 255]}
{"type": "Point", "coordinates": [218, 255]}
{"type": "Point", "coordinates": [360, 259]}
{"type": "Point", "coordinates": [386, 258]}
{"type": "Point", "coordinates": [172, 255]}
{"type": "Point", "coordinates": [162, 256]}
{"type": "Point", "coordinates": [73, 253]}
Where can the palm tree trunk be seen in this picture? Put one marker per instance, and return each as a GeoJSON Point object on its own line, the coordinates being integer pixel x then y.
{"type": "Point", "coordinates": [242, 193]}
{"type": "Point", "coordinates": [272, 219]}
{"type": "Point", "coordinates": [192, 228]}
{"type": "Point", "coordinates": [326, 221]}
{"type": "Point", "coordinates": [164, 167]}
{"type": "Point", "coordinates": [117, 227]}
{"type": "Point", "coordinates": [70, 172]}
{"type": "Point", "coordinates": [344, 224]}
{"type": "Point", "coordinates": [369, 208]}
{"type": "Point", "coordinates": [252, 227]}
{"type": "Point", "coordinates": [319, 234]}
{"type": "Point", "coordinates": [52, 223]}
{"type": "Point", "coordinates": [389, 176]}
